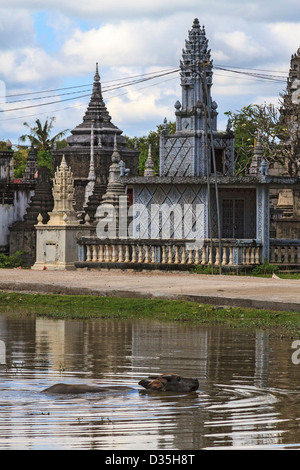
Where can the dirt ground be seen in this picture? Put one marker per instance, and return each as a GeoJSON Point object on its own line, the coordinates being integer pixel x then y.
{"type": "Point", "coordinates": [279, 294]}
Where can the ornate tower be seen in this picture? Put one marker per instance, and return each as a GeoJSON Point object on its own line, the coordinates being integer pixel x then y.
{"type": "Point", "coordinates": [195, 63]}
{"type": "Point", "coordinates": [56, 241]}
{"type": "Point", "coordinates": [187, 152]}
{"type": "Point", "coordinates": [110, 203]}
{"type": "Point", "coordinates": [63, 193]}
{"type": "Point", "coordinates": [91, 143]}
{"type": "Point", "coordinates": [290, 110]}
{"type": "Point", "coordinates": [31, 165]}
{"type": "Point", "coordinates": [98, 116]}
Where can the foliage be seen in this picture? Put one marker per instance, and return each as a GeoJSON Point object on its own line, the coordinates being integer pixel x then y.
{"type": "Point", "coordinates": [2, 145]}
{"type": "Point", "coordinates": [39, 134]}
{"type": "Point", "coordinates": [207, 269]}
{"type": "Point", "coordinates": [12, 261]}
{"type": "Point", "coordinates": [142, 144]}
{"type": "Point", "coordinates": [44, 158]}
{"type": "Point", "coordinates": [60, 144]}
{"type": "Point", "coordinates": [261, 121]}
{"type": "Point", "coordinates": [20, 159]}
{"type": "Point", "coordinates": [86, 307]}
{"type": "Point", "coordinates": [265, 269]}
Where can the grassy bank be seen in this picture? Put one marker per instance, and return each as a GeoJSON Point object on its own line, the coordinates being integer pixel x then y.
{"type": "Point", "coordinates": [88, 307]}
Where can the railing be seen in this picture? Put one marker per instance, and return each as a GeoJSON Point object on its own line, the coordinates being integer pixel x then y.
{"type": "Point", "coordinates": [169, 252]}
{"type": "Point", "coordinates": [284, 252]}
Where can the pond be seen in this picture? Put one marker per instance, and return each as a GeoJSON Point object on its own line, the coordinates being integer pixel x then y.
{"type": "Point", "coordinates": [248, 396]}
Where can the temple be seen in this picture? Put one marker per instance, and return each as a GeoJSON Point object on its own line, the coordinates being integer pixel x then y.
{"type": "Point", "coordinates": [193, 212]}
{"type": "Point", "coordinates": [15, 194]}
{"type": "Point", "coordinates": [89, 150]}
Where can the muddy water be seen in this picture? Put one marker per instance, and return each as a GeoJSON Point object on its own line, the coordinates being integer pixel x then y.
{"type": "Point", "coordinates": [249, 395]}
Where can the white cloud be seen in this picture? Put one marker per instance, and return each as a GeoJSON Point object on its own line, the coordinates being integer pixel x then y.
{"type": "Point", "coordinates": [141, 106]}
{"type": "Point", "coordinates": [286, 37]}
{"type": "Point", "coordinates": [116, 9]}
{"type": "Point", "coordinates": [254, 10]}
{"type": "Point", "coordinates": [241, 43]}
{"type": "Point", "coordinates": [131, 37]}
{"type": "Point", "coordinates": [16, 28]}
{"type": "Point", "coordinates": [129, 44]}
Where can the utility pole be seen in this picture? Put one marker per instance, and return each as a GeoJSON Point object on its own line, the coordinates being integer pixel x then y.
{"type": "Point", "coordinates": [208, 131]}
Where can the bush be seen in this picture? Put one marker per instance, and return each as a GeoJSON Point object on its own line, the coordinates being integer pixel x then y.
{"type": "Point", "coordinates": [265, 269]}
{"type": "Point", "coordinates": [199, 269]}
{"type": "Point", "coordinates": [12, 261]}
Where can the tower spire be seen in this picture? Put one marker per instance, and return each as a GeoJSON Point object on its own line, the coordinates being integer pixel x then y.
{"type": "Point", "coordinates": [89, 189]}
{"type": "Point", "coordinates": [96, 111]}
{"type": "Point", "coordinates": [97, 114]}
{"type": "Point", "coordinates": [149, 165]}
{"type": "Point", "coordinates": [195, 70]}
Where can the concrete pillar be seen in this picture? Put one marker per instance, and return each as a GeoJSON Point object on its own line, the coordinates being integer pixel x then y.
{"type": "Point", "coordinates": [263, 220]}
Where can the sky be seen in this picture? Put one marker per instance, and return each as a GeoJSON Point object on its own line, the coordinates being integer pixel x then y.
{"type": "Point", "coordinates": [53, 46]}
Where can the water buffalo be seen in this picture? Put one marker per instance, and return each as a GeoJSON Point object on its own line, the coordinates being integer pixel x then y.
{"type": "Point", "coordinates": [170, 383]}
{"type": "Point", "coordinates": [75, 389]}
{"type": "Point", "coordinates": [162, 383]}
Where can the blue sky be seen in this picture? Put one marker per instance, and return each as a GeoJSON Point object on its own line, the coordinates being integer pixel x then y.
{"type": "Point", "coordinates": [57, 46]}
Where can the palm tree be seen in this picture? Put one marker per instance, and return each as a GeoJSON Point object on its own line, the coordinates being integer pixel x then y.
{"type": "Point", "coordinates": [40, 134]}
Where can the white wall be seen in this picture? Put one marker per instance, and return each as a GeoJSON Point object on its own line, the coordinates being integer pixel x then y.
{"type": "Point", "coordinates": [9, 214]}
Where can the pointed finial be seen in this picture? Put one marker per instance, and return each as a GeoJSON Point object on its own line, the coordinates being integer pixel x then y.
{"type": "Point", "coordinates": [92, 175]}
{"type": "Point", "coordinates": [97, 76]}
{"type": "Point", "coordinates": [257, 156]}
{"type": "Point", "coordinates": [63, 163]}
{"type": "Point", "coordinates": [149, 165]}
{"type": "Point", "coordinates": [32, 155]}
{"type": "Point", "coordinates": [39, 219]}
{"type": "Point", "coordinates": [196, 23]}
{"type": "Point", "coordinates": [165, 126]}
{"type": "Point", "coordinates": [87, 219]}
{"type": "Point", "coordinates": [115, 156]}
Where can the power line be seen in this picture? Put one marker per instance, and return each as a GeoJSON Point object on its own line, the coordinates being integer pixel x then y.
{"type": "Point", "coordinates": [42, 97]}
{"type": "Point", "coordinates": [87, 85]}
{"type": "Point", "coordinates": [228, 68]}
{"type": "Point", "coordinates": [78, 105]}
{"type": "Point", "coordinates": [139, 79]}
{"type": "Point", "coordinates": [134, 82]}
{"type": "Point", "coordinates": [249, 68]}
{"type": "Point", "coordinates": [261, 76]}
{"type": "Point", "coordinates": [42, 104]}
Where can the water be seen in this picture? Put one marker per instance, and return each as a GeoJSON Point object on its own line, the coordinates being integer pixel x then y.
{"type": "Point", "coordinates": [248, 397]}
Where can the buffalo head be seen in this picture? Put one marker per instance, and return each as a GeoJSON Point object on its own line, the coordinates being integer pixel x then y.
{"type": "Point", "coordinates": [170, 383]}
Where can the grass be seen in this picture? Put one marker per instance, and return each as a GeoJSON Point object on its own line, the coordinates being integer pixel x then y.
{"type": "Point", "coordinates": [90, 307]}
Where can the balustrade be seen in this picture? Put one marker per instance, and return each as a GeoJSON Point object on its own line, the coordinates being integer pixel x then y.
{"type": "Point", "coordinates": [174, 252]}
{"type": "Point", "coordinates": [285, 252]}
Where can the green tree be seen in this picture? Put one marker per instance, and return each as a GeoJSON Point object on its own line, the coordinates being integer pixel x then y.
{"type": "Point", "coordinates": [142, 143]}
{"type": "Point", "coordinates": [40, 137]}
{"type": "Point", "coordinates": [39, 134]}
{"type": "Point", "coordinates": [264, 121]}
{"type": "Point", "coordinates": [20, 159]}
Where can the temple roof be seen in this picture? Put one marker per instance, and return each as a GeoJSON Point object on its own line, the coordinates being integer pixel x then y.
{"type": "Point", "coordinates": [196, 50]}
{"type": "Point", "coordinates": [97, 114]}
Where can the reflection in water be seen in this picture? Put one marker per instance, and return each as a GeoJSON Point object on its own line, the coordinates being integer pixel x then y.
{"type": "Point", "coordinates": [248, 395]}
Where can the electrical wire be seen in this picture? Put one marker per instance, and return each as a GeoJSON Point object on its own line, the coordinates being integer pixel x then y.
{"type": "Point", "coordinates": [78, 105]}
{"type": "Point", "coordinates": [129, 83]}
{"type": "Point", "coordinates": [89, 84]}
{"type": "Point", "coordinates": [137, 79]}
{"type": "Point", "coordinates": [261, 76]}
